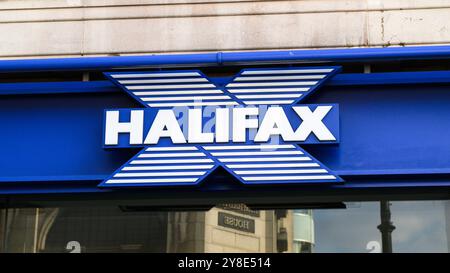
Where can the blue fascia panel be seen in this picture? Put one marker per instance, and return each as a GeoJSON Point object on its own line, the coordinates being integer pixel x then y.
{"type": "Point", "coordinates": [226, 58]}
{"type": "Point", "coordinates": [350, 79]}
{"type": "Point", "coordinates": [377, 110]}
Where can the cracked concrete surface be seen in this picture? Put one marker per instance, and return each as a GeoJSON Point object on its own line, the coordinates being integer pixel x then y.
{"type": "Point", "coordinates": [37, 28]}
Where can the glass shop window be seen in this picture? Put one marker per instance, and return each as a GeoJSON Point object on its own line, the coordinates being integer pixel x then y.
{"type": "Point", "coordinates": [368, 227]}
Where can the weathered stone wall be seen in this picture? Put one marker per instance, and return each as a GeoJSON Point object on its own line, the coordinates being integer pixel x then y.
{"type": "Point", "coordinates": [37, 28]}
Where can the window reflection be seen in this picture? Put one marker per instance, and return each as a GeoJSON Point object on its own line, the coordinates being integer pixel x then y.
{"type": "Point", "coordinates": [420, 226]}
{"type": "Point", "coordinates": [347, 230]}
{"type": "Point", "coordinates": [303, 231]}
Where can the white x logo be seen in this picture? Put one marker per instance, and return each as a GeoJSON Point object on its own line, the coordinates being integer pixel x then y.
{"type": "Point", "coordinates": [249, 162]}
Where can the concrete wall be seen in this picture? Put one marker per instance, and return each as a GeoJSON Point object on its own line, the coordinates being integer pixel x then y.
{"type": "Point", "coordinates": [36, 28]}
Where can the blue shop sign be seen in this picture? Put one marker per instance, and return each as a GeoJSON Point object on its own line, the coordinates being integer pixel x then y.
{"type": "Point", "coordinates": [293, 128]}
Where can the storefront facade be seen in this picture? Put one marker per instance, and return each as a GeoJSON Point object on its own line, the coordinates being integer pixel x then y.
{"type": "Point", "coordinates": [378, 177]}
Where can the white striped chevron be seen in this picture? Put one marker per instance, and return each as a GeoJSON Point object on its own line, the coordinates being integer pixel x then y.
{"type": "Point", "coordinates": [171, 89]}
{"type": "Point", "coordinates": [276, 86]}
{"type": "Point", "coordinates": [250, 87]}
{"type": "Point", "coordinates": [250, 163]}
{"type": "Point", "coordinates": [164, 165]}
{"type": "Point", "coordinates": [265, 163]}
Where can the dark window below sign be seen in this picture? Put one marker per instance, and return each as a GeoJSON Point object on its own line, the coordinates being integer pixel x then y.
{"type": "Point", "coordinates": [236, 222]}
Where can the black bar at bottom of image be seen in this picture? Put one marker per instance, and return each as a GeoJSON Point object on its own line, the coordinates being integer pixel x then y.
{"type": "Point", "coordinates": [222, 262]}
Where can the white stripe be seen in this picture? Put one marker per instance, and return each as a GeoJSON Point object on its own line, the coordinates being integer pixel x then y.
{"type": "Point", "coordinates": [156, 180]}
{"type": "Point", "coordinates": [179, 167]}
{"type": "Point", "coordinates": [159, 174]}
{"type": "Point", "coordinates": [261, 166]}
{"type": "Point", "coordinates": [171, 161]}
{"type": "Point", "coordinates": [279, 96]}
{"type": "Point", "coordinates": [264, 159]}
{"type": "Point", "coordinates": [186, 98]}
{"type": "Point", "coordinates": [171, 155]}
{"type": "Point", "coordinates": [169, 86]}
{"type": "Point", "coordinates": [155, 75]}
{"type": "Point", "coordinates": [287, 71]}
{"type": "Point", "coordinates": [169, 104]}
{"type": "Point", "coordinates": [302, 177]}
{"type": "Point", "coordinates": [277, 78]}
{"type": "Point", "coordinates": [242, 147]}
{"type": "Point", "coordinates": [259, 102]}
{"type": "Point", "coordinates": [184, 92]}
{"type": "Point", "coordinates": [185, 148]}
{"type": "Point", "coordinates": [187, 80]}
{"type": "Point", "coordinates": [268, 90]}
{"type": "Point", "coordinates": [282, 171]}
{"type": "Point", "coordinates": [257, 153]}
{"type": "Point", "coordinates": [270, 84]}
